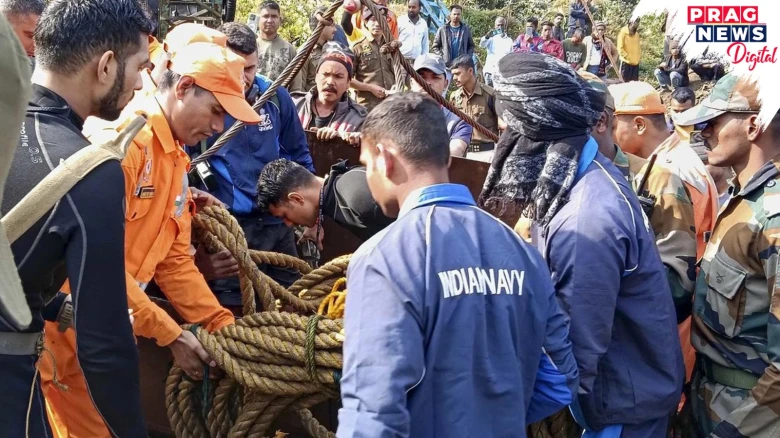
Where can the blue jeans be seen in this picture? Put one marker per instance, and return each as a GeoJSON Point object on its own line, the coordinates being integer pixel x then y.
{"type": "Point", "coordinates": [594, 69]}
{"type": "Point", "coordinates": [666, 78]}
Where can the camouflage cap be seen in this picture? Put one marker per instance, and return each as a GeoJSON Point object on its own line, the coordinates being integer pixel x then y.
{"type": "Point", "coordinates": [599, 85]}
{"type": "Point", "coordinates": [732, 94]}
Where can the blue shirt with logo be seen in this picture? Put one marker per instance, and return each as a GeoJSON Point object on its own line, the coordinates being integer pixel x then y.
{"type": "Point", "coordinates": [456, 332]}
{"type": "Point", "coordinates": [238, 164]}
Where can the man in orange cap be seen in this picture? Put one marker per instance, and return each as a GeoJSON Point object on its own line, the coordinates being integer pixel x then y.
{"type": "Point", "coordinates": [202, 85]}
{"type": "Point", "coordinates": [160, 55]}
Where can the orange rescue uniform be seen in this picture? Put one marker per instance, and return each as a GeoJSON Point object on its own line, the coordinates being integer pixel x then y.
{"type": "Point", "coordinates": [158, 221]}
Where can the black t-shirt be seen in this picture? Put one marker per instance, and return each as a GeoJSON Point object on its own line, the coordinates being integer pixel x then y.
{"type": "Point", "coordinates": [348, 201]}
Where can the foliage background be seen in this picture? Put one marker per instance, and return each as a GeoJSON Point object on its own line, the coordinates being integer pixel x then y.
{"type": "Point", "coordinates": [480, 15]}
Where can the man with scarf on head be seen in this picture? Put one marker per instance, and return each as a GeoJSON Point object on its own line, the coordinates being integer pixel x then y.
{"type": "Point", "coordinates": [590, 227]}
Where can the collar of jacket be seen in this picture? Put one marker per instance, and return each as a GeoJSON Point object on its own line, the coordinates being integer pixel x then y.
{"type": "Point", "coordinates": [46, 99]}
{"type": "Point", "coordinates": [159, 124]}
{"type": "Point", "coordinates": [769, 171]}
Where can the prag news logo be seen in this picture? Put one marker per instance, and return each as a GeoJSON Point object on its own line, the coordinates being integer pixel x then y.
{"type": "Point", "coordinates": [737, 25]}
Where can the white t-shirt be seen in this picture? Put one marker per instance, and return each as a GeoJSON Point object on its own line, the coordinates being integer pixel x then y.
{"type": "Point", "coordinates": [595, 54]}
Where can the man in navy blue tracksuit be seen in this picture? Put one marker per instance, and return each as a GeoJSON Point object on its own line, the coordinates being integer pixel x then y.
{"type": "Point", "coordinates": [237, 166]}
{"type": "Point", "coordinates": [453, 326]}
{"type": "Point", "coordinates": [597, 241]}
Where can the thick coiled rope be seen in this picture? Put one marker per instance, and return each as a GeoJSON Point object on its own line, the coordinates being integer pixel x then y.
{"type": "Point", "coordinates": [273, 361]}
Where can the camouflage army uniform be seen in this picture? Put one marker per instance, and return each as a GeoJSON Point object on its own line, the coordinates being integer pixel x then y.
{"type": "Point", "coordinates": [671, 221]}
{"type": "Point", "coordinates": [736, 330]}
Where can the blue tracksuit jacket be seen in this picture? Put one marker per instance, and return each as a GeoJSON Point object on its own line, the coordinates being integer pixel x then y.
{"type": "Point", "coordinates": [448, 318]}
{"type": "Point", "coordinates": [610, 281]}
{"type": "Point", "coordinates": [238, 164]}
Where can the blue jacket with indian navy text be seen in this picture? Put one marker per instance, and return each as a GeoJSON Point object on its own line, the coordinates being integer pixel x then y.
{"type": "Point", "coordinates": [238, 164]}
{"type": "Point", "coordinates": [453, 327]}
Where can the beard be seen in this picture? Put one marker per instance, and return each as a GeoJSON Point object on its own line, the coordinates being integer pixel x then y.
{"type": "Point", "coordinates": [108, 107]}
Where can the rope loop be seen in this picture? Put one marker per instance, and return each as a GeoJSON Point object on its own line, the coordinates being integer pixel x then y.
{"type": "Point", "coordinates": [311, 334]}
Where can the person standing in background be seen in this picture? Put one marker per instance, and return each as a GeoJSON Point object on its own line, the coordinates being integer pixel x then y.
{"type": "Point", "coordinates": [354, 24]}
{"type": "Point", "coordinates": [308, 71]}
{"type": "Point", "coordinates": [374, 76]}
{"type": "Point", "coordinates": [23, 16]}
{"type": "Point", "coordinates": [598, 46]}
{"type": "Point", "coordinates": [550, 46]}
{"type": "Point", "coordinates": [478, 101]}
{"type": "Point", "coordinates": [578, 16]}
{"type": "Point", "coordinates": [557, 31]}
{"type": "Point", "coordinates": [413, 32]}
{"type": "Point", "coordinates": [529, 41]}
{"type": "Point", "coordinates": [274, 53]}
{"type": "Point", "coordinates": [454, 38]}
{"type": "Point", "coordinates": [630, 51]}
{"type": "Point", "coordinates": [498, 44]}
{"type": "Point", "coordinates": [574, 50]}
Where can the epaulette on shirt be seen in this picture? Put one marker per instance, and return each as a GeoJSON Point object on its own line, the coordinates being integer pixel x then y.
{"type": "Point", "coordinates": [770, 201]}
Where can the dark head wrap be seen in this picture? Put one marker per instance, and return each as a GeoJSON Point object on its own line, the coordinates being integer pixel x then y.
{"type": "Point", "coordinates": [549, 111]}
{"type": "Point", "coordinates": [333, 51]}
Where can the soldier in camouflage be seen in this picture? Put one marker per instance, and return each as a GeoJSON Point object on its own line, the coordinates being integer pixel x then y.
{"type": "Point", "coordinates": [736, 332]}
{"type": "Point", "coordinates": [639, 128]}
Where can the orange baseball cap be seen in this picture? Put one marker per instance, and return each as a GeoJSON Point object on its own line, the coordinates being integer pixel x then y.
{"type": "Point", "coordinates": [155, 48]}
{"type": "Point", "coordinates": [188, 33]}
{"type": "Point", "coordinates": [636, 98]}
{"type": "Point", "coordinates": [219, 70]}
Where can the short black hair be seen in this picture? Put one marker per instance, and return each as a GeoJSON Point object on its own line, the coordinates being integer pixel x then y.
{"type": "Point", "coordinates": [578, 30]}
{"type": "Point", "coordinates": [456, 6]}
{"type": "Point", "coordinates": [415, 124]}
{"type": "Point", "coordinates": [272, 5]}
{"type": "Point", "coordinates": [169, 80]}
{"type": "Point", "coordinates": [558, 14]}
{"type": "Point", "coordinates": [277, 180]}
{"type": "Point", "coordinates": [22, 8]}
{"type": "Point", "coordinates": [548, 23]}
{"type": "Point", "coordinates": [70, 33]}
{"type": "Point", "coordinates": [464, 61]}
{"type": "Point", "coordinates": [684, 94]}
{"type": "Point", "coordinates": [240, 37]}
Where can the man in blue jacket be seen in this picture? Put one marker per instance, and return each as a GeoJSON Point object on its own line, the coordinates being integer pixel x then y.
{"type": "Point", "coordinates": [454, 332]}
{"type": "Point", "coordinates": [237, 166]}
{"type": "Point", "coordinates": [590, 227]}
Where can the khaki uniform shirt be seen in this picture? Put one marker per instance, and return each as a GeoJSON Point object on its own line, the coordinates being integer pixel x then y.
{"type": "Point", "coordinates": [305, 80]}
{"type": "Point", "coordinates": [372, 67]}
{"type": "Point", "coordinates": [481, 107]}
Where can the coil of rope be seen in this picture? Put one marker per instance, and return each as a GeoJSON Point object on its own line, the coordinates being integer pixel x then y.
{"type": "Point", "coordinates": [274, 361]}
{"type": "Point", "coordinates": [287, 75]}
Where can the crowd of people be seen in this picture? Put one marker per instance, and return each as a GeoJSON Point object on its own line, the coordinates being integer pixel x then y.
{"type": "Point", "coordinates": [635, 293]}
